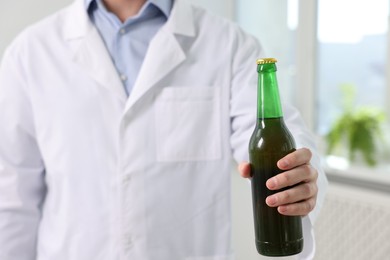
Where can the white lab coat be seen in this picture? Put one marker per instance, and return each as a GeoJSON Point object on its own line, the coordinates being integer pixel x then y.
{"type": "Point", "coordinates": [89, 174]}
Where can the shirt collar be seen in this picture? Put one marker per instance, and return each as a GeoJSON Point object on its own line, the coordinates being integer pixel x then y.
{"type": "Point", "coordinates": [164, 5]}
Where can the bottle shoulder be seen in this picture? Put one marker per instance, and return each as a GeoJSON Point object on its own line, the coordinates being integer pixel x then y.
{"type": "Point", "coordinates": [271, 136]}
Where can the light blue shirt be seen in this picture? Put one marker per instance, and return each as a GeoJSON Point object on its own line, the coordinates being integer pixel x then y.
{"type": "Point", "coordinates": [128, 42]}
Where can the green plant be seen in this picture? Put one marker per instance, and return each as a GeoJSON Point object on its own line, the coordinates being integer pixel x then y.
{"type": "Point", "coordinates": [359, 127]}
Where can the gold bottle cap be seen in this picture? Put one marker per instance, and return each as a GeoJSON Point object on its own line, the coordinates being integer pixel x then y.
{"type": "Point", "coordinates": [266, 61]}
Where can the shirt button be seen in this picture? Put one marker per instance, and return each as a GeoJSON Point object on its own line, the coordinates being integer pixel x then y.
{"type": "Point", "coordinates": [122, 31]}
{"type": "Point", "coordinates": [123, 77]}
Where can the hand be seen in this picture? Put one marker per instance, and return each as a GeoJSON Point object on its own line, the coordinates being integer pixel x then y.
{"type": "Point", "coordinates": [300, 176]}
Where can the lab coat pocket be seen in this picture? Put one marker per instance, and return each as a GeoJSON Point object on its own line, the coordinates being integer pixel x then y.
{"type": "Point", "coordinates": [188, 124]}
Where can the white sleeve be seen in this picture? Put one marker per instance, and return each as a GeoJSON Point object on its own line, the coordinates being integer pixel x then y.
{"type": "Point", "coordinates": [243, 94]}
{"type": "Point", "coordinates": [22, 186]}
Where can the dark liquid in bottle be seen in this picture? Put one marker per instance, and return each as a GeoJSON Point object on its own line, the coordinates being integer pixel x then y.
{"type": "Point", "coordinates": [276, 234]}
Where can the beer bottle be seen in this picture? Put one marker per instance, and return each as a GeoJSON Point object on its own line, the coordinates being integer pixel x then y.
{"type": "Point", "coordinates": [276, 234]}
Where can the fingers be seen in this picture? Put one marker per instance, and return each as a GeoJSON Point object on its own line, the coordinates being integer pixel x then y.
{"type": "Point", "coordinates": [294, 159]}
{"type": "Point", "coordinates": [299, 184]}
{"type": "Point", "coordinates": [298, 200]}
{"type": "Point", "coordinates": [303, 173]}
{"type": "Point", "coordinates": [297, 169]}
{"type": "Point", "coordinates": [297, 193]}
{"type": "Point", "coordinates": [244, 169]}
{"type": "Point", "coordinates": [298, 209]}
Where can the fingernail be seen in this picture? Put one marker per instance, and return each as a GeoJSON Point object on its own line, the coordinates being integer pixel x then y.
{"type": "Point", "coordinates": [283, 163]}
{"type": "Point", "coordinates": [271, 184]}
{"type": "Point", "coordinates": [282, 209]}
{"type": "Point", "coordinates": [271, 200]}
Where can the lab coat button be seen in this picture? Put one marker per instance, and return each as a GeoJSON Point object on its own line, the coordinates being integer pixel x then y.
{"type": "Point", "coordinates": [126, 178]}
{"type": "Point", "coordinates": [128, 242]}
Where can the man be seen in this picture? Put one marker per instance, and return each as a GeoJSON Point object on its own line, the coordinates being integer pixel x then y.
{"type": "Point", "coordinates": [119, 120]}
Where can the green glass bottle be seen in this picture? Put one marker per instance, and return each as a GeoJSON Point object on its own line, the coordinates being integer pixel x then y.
{"type": "Point", "coordinates": [276, 234]}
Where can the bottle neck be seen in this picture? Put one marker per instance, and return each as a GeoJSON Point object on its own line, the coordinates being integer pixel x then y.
{"type": "Point", "coordinates": [268, 99]}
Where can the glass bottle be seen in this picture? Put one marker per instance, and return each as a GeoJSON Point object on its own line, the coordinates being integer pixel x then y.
{"type": "Point", "coordinates": [276, 234]}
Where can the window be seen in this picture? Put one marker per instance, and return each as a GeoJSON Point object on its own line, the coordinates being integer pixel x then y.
{"type": "Point", "coordinates": [322, 46]}
{"type": "Point", "coordinates": [352, 47]}
{"type": "Point", "coordinates": [352, 59]}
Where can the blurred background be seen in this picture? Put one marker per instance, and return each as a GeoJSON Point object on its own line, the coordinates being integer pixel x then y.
{"type": "Point", "coordinates": [334, 65]}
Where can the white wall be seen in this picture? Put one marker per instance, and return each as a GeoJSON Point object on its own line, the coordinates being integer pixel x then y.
{"type": "Point", "coordinates": [16, 15]}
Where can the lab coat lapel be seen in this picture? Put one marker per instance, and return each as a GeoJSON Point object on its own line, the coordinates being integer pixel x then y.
{"type": "Point", "coordinates": [164, 52]}
{"type": "Point", "coordinates": [163, 55]}
{"type": "Point", "coordinates": [90, 53]}
{"type": "Point", "coordinates": [93, 57]}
